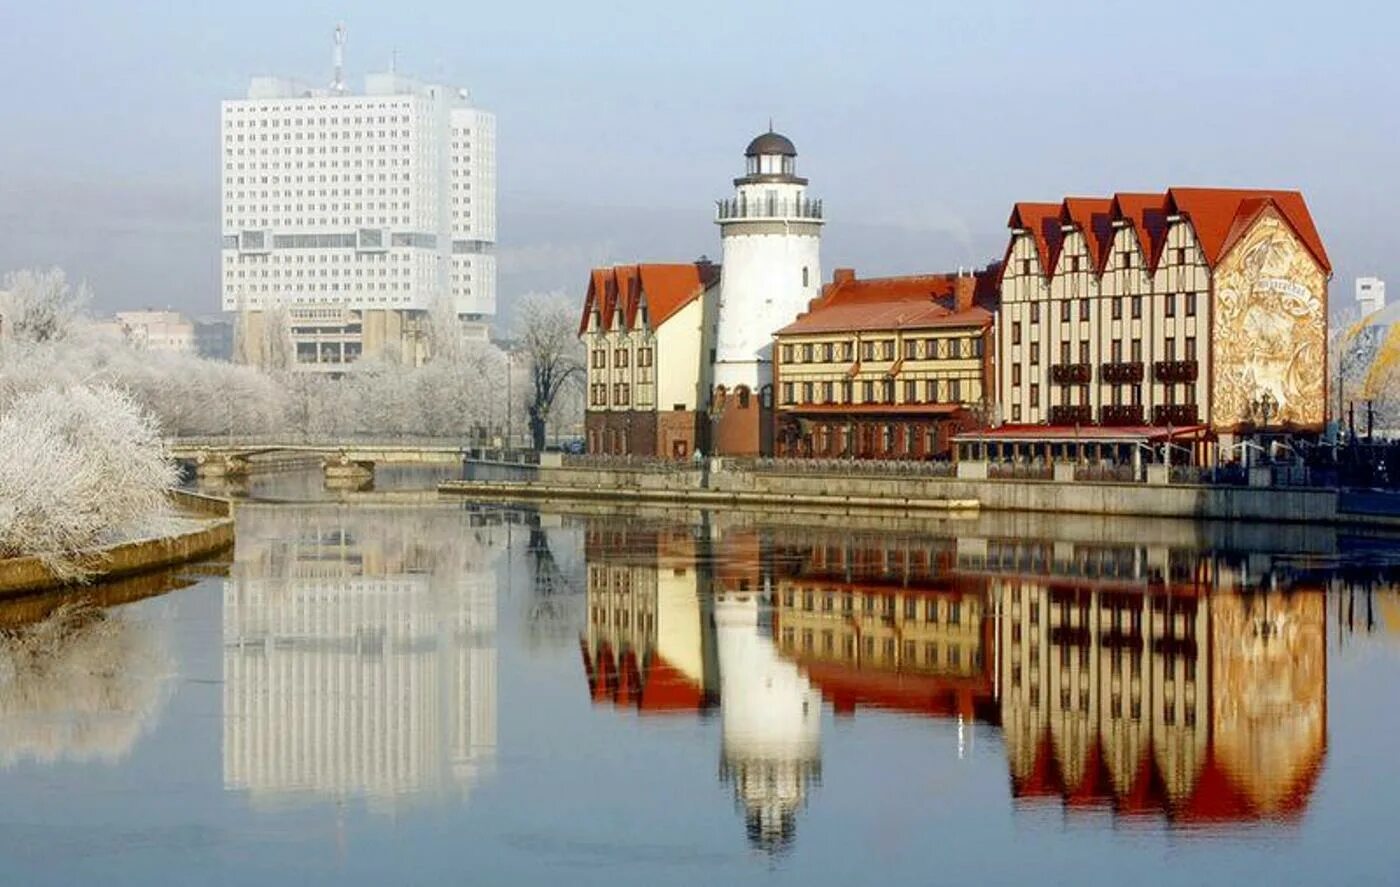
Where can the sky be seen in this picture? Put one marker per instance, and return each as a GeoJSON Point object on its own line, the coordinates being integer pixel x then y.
{"type": "Point", "coordinates": [619, 123]}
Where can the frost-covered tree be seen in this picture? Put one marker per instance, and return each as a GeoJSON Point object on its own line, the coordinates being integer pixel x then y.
{"type": "Point", "coordinates": [40, 306]}
{"type": "Point", "coordinates": [549, 342]}
{"type": "Point", "coordinates": [79, 466]}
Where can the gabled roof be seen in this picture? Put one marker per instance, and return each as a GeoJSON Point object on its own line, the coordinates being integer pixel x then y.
{"type": "Point", "coordinates": [1093, 216]}
{"type": "Point", "coordinates": [1042, 220]}
{"type": "Point", "coordinates": [1219, 216]}
{"type": "Point", "coordinates": [665, 288]}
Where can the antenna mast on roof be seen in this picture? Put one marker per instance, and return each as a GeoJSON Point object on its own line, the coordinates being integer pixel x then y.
{"type": "Point", "coordinates": [338, 60]}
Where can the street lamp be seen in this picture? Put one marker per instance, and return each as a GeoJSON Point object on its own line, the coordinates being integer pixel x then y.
{"type": "Point", "coordinates": [1265, 406]}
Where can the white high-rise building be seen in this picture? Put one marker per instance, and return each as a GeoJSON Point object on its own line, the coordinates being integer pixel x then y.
{"type": "Point", "coordinates": [355, 215]}
{"type": "Point", "coordinates": [1370, 294]}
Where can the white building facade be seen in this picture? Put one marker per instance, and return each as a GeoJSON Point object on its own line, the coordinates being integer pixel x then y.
{"type": "Point", "coordinates": [771, 242]}
{"type": "Point", "coordinates": [356, 214]}
{"type": "Point", "coordinates": [1370, 294]}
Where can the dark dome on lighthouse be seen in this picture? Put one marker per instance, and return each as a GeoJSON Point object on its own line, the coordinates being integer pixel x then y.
{"type": "Point", "coordinates": [771, 143]}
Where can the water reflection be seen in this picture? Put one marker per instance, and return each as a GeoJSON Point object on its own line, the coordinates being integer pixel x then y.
{"type": "Point", "coordinates": [1158, 683]}
{"type": "Point", "coordinates": [80, 680]}
{"type": "Point", "coordinates": [360, 654]}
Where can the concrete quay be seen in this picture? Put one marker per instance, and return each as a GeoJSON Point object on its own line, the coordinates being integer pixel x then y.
{"type": "Point", "coordinates": [718, 484]}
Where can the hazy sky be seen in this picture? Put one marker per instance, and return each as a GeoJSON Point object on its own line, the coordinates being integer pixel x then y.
{"type": "Point", "coordinates": [620, 123]}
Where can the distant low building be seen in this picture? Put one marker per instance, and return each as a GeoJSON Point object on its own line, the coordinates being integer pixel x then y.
{"type": "Point", "coordinates": [213, 338]}
{"type": "Point", "coordinates": [886, 368]}
{"type": "Point", "coordinates": [167, 331]}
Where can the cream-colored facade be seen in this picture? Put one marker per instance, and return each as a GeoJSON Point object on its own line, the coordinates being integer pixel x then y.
{"type": "Point", "coordinates": [331, 338]}
{"type": "Point", "coordinates": [1121, 314]}
{"type": "Point", "coordinates": [895, 366]}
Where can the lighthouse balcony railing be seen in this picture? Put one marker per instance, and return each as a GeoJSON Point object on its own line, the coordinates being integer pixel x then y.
{"type": "Point", "coordinates": [734, 208]}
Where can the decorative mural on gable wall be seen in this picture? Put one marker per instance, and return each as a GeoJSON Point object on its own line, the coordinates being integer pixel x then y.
{"type": "Point", "coordinates": [1270, 329]}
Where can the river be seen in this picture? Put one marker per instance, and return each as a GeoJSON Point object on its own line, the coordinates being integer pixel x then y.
{"type": "Point", "coordinates": [390, 690]}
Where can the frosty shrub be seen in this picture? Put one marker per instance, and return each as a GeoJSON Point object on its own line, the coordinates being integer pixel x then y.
{"type": "Point", "coordinates": [79, 466]}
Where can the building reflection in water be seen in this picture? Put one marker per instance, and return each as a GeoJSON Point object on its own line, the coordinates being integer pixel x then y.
{"type": "Point", "coordinates": [360, 654]}
{"type": "Point", "coordinates": [1147, 681]}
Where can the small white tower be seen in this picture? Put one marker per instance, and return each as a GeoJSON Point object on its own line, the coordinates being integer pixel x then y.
{"type": "Point", "coordinates": [771, 724]}
{"type": "Point", "coordinates": [771, 240]}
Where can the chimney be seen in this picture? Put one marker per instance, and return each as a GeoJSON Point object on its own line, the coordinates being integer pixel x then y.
{"type": "Point", "coordinates": [842, 275]}
{"type": "Point", "coordinates": [964, 288]}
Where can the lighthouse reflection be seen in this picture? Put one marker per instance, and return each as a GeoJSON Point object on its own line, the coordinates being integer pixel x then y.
{"type": "Point", "coordinates": [1170, 686]}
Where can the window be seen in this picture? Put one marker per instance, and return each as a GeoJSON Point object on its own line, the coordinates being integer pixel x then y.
{"type": "Point", "coordinates": [807, 353]}
{"type": "Point", "coordinates": [1016, 374]}
{"type": "Point", "coordinates": [1190, 304]}
{"type": "Point", "coordinates": [911, 349]}
{"type": "Point", "coordinates": [827, 350]}
{"type": "Point", "coordinates": [911, 391]}
{"type": "Point", "coordinates": [1035, 312]}
{"type": "Point", "coordinates": [848, 351]}
{"type": "Point", "coordinates": [1035, 352]}
{"type": "Point", "coordinates": [976, 347]}
{"type": "Point", "coordinates": [827, 390]}
{"type": "Point", "coordinates": [1083, 350]}
{"type": "Point", "coordinates": [887, 391]}
{"type": "Point", "coordinates": [787, 354]}
{"type": "Point", "coordinates": [1016, 333]}
{"type": "Point", "coordinates": [1015, 412]}
{"type": "Point", "coordinates": [1137, 307]}
{"type": "Point", "coordinates": [1064, 311]}
{"type": "Point", "coordinates": [1137, 351]}
{"type": "Point", "coordinates": [1137, 395]}
{"type": "Point", "coordinates": [1083, 309]}
{"type": "Point", "coordinates": [846, 391]}
{"type": "Point", "coordinates": [643, 357]}
{"type": "Point", "coordinates": [787, 392]}
{"type": "Point", "coordinates": [1171, 305]}
{"type": "Point", "coordinates": [1125, 259]}
{"type": "Point", "coordinates": [954, 349]}
{"type": "Point", "coordinates": [1025, 266]}
{"type": "Point", "coordinates": [932, 391]}
{"type": "Point", "coordinates": [1074, 263]}
{"type": "Point", "coordinates": [1117, 307]}
{"type": "Point", "coordinates": [954, 391]}
{"type": "Point", "coordinates": [867, 391]}
{"type": "Point", "coordinates": [1116, 350]}
{"type": "Point", "coordinates": [805, 282]}
{"type": "Point", "coordinates": [887, 349]}
{"type": "Point", "coordinates": [1064, 352]}
{"type": "Point", "coordinates": [867, 350]}
{"type": "Point", "coordinates": [620, 357]}
{"type": "Point", "coordinates": [1035, 395]}
{"type": "Point", "coordinates": [1190, 347]}
{"type": "Point", "coordinates": [1170, 349]}
{"type": "Point", "coordinates": [600, 358]}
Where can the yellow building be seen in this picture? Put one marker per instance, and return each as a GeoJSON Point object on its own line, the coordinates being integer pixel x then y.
{"type": "Point", "coordinates": [886, 367]}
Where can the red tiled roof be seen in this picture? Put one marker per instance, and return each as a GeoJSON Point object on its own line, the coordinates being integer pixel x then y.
{"type": "Point", "coordinates": [918, 301]}
{"type": "Point", "coordinates": [1093, 216]}
{"type": "Point", "coordinates": [666, 289]}
{"type": "Point", "coordinates": [1218, 213]}
{"type": "Point", "coordinates": [1147, 214]}
{"type": "Point", "coordinates": [1219, 217]}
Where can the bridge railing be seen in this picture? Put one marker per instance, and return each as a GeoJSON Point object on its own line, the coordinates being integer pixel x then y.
{"type": "Point", "coordinates": [326, 441]}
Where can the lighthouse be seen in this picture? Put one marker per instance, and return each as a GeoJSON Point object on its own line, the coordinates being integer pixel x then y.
{"type": "Point", "coordinates": [770, 233]}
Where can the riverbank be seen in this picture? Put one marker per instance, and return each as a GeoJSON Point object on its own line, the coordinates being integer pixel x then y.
{"type": "Point", "coordinates": [211, 531]}
{"type": "Point", "coordinates": [729, 485]}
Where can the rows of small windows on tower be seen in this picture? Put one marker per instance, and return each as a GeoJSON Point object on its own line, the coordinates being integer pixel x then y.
{"type": "Point", "coordinates": [771, 165]}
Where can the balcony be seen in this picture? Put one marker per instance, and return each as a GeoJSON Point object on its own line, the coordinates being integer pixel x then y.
{"type": "Point", "coordinates": [1175, 370]}
{"type": "Point", "coordinates": [1121, 415]}
{"type": "Point", "coordinates": [1068, 415]}
{"type": "Point", "coordinates": [1175, 414]}
{"type": "Point", "coordinates": [1071, 374]}
{"type": "Point", "coordinates": [1121, 373]}
{"type": "Point", "coordinates": [734, 209]}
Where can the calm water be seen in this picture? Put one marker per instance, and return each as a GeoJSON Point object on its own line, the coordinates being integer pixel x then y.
{"type": "Point", "coordinates": [391, 692]}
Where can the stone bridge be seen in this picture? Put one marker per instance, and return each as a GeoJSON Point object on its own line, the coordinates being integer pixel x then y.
{"type": "Point", "coordinates": [345, 459]}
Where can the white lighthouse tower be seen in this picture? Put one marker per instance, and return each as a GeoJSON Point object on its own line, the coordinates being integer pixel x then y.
{"type": "Point", "coordinates": [771, 239]}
